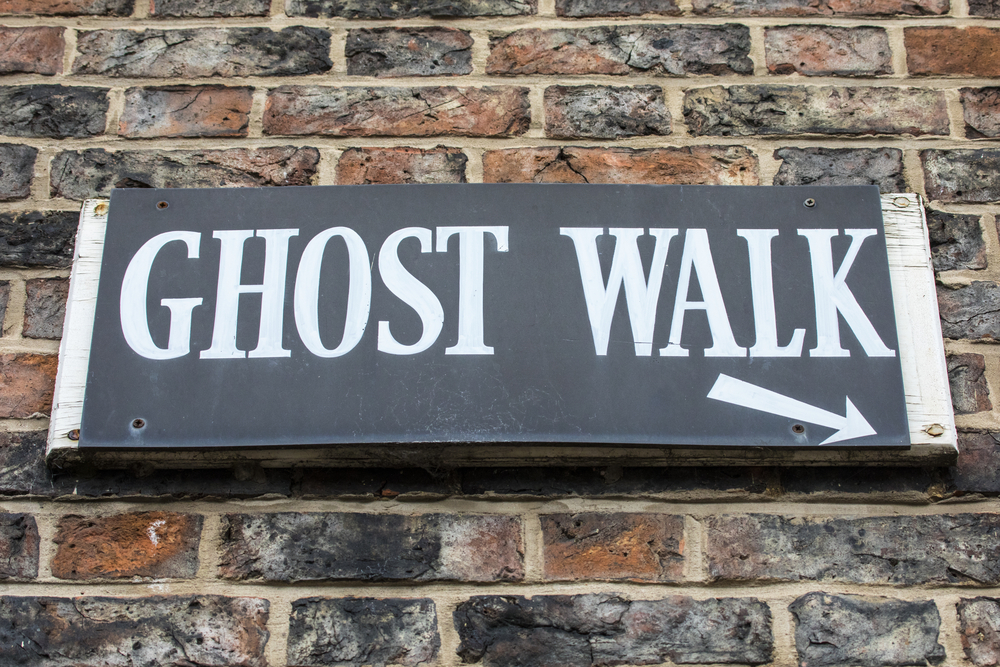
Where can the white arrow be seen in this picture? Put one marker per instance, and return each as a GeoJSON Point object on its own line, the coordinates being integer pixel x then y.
{"type": "Point", "coordinates": [738, 392]}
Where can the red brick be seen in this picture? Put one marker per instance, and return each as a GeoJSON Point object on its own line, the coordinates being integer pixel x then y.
{"type": "Point", "coordinates": [827, 51]}
{"type": "Point", "coordinates": [361, 166]}
{"type": "Point", "coordinates": [31, 50]}
{"type": "Point", "coordinates": [615, 547]}
{"type": "Point", "coordinates": [26, 384]}
{"type": "Point", "coordinates": [945, 51]}
{"type": "Point", "coordinates": [45, 308]}
{"type": "Point", "coordinates": [697, 165]}
{"type": "Point", "coordinates": [186, 111]}
{"type": "Point", "coordinates": [68, 7]}
{"type": "Point", "coordinates": [142, 544]}
{"type": "Point", "coordinates": [396, 112]}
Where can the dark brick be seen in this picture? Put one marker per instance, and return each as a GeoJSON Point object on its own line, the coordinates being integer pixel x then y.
{"type": "Point", "coordinates": [203, 52]}
{"type": "Point", "coordinates": [616, 547]}
{"type": "Point", "coordinates": [978, 467]}
{"type": "Point", "coordinates": [969, 391]}
{"type": "Point", "coordinates": [361, 166]}
{"type": "Point", "coordinates": [53, 111]}
{"type": "Point", "coordinates": [987, 8]}
{"type": "Point", "coordinates": [408, 112]}
{"type": "Point", "coordinates": [216, 8]}
{"type": "Point", "coordinates": [174, 484]}
{"type": "Point", "coordinates": [17, 168]}
{"type": "Point", "coordinates": [140, 544]}
{"type": "Point", "coordinates": [580, 8]}
{"type": "Point", "coordinates": [93, 172]}
{"type": "Point", "coordinates": [45, 308]}
{"type": "Point", "coordinates": [981, 109]}
{"type": "Point", "coordinates": [34, 50]}
{"type": "Point", "coordinates": [666, 50]}
{"type": "Point", "coordinates": [827, 51]}
{"type": "Point", "coordinates": [956, 241]}
{"type": "Point", "coordinates": [22, 464]}
{"type": "Point", "coordinates": [37, 238]}
{"type": "Point", "coordinates": [26, 384]}
{"type": "Point", "coordinates": [295, 546]}
{"type": "Point", "coordinates": [607, 629]}
{"type": "Point", "coordinates": [842, 166]}
{"type": "Point", "coordinates": [979, 623]}
{"type": "Point", "coordinates": [68, 7]}
{"type": "Point", "coordinates": [972, 311]}
{"type": "Point", "coordinates": [377, 482]}
{"type": "Point", "coordinates": [835, 630]}
{"type": "Point", "coordinates": [4, 298]}
{"type": "Point", "coordinates": [698, 482]}
{"type": "Point", "coordinates": [203, 630]}
{"type": "Point", "coordinates": [399, 9]}
{"type": "Point", "coordinates": [605, 112]}
{"type": "Point", "coordinates": [18, 546]}
{"type": "Point", "coordinates": [408, 52]}
{"type": "Point", "coordinates": [962, 175]}
{"type": "Point", "coordinates": [821, 7]}
{"type": "Point", "coordinates": [948, 51]}
{"type": "Point", "coordinates": [787, 110]}
{"type": "Point", "coordinates": [696, 165]}
{"type": "Point", "coordinates": [940, 549]}
{"type": "Point", "coordinates": [355, 632]}
{"type": "Point", "coordinates": [186, 111]}
{"type": "Point", "coordinates": [873, 484]}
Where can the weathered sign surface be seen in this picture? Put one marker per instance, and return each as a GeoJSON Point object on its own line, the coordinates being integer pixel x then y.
{"type": "Point", "coordinates": [612, 314]}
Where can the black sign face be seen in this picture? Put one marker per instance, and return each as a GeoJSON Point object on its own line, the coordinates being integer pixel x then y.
{"type": "Point", "coordinates": [626, 315]}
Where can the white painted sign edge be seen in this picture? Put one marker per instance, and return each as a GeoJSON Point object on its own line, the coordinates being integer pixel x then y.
{"type": "Point", "coordinates": [933, 435]}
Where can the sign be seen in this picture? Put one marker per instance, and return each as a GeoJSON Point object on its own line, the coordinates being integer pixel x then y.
{"type": "Point", "coordinates": [619, 315]}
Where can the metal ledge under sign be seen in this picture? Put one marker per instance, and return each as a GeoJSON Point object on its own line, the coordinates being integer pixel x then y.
{"type": "Point", "coordinates": [502, 325]}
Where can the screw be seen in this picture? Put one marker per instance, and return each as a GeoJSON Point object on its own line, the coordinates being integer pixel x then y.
{"type": "Point", "coordinates": [901, 202]}
{"type": "Point", "coordinates": [809, 203]}
{"type": "Point", "coordinates": [101, 209]}
{"type": "Point", "coordinates": [798, 428]}
{"type": "Point", "coordinates": [162, 204]}
{"type": "Point", "coordinates": [74, 435]}
{"type": "Point", "coordinates": [138, 423]}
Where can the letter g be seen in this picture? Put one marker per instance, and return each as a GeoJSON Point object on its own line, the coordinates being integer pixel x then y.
{"type": "Point", "coordinates": [132, 307]}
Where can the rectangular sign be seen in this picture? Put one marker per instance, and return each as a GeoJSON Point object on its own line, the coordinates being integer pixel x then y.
{"type": "Point", "coordinates": [610, 314]}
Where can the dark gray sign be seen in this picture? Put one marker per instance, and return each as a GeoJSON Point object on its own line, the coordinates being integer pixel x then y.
{"type": "Point", "coordinates": [653, 315]}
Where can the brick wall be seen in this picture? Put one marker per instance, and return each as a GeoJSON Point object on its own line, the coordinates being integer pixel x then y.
{"type": "Point", "coordinates": [528, 567]}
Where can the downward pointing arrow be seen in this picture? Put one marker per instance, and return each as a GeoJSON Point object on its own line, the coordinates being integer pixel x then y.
{"type": "Point", "coordinates": [738, 392]}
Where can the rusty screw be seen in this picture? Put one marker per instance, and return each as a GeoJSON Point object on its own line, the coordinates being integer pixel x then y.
{"type": "Point", "coordinates": [101, 209]}
{"type": "Point", "coordinates": [74, 435]}
{"type": "Point", "coordinates": [162, 204]}
{"type": "Point", "coordinates": [138, 423]}
{"type": "Point", "coordinates": [809, 203]}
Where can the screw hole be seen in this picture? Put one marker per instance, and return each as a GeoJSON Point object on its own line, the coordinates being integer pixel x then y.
{"type": "Point", "coordinates": [138, 423]}
{"type": "Point", "coordinates": [798, 428]}
{"type": "Point", "coordinates": [162, 204]}
{"type": "Point", "coordinates": [74, 435]}
{"type": "Point", "coordinates": [809, 203]}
